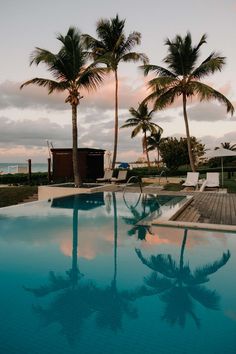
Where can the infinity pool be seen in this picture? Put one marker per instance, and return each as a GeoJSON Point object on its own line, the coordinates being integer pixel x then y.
{"type": "Point", "coordinates": [82, 275]}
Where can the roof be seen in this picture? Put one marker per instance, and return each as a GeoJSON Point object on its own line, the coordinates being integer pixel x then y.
{"type": "Point", "coordinates": [79, 149]}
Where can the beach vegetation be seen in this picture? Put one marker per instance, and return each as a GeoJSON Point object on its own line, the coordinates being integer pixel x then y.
{"type": "Point", "coordinates": [141, 121]}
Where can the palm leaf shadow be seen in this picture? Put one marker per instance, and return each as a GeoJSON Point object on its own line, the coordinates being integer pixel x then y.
{"type": "Point", "coordinates": [179, 287]}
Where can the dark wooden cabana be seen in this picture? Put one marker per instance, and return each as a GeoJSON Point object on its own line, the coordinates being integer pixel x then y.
{"type": "Point", "coordinates": [91, 164]}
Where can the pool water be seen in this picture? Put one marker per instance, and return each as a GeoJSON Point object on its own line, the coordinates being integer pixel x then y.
{"type": "Point", "coordinates": [78, 275]}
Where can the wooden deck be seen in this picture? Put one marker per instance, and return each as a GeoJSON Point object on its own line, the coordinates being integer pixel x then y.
{"type": "Point", "coordinates": [211, 208]}
{"type": "Point", "coordinates": [205, 208]}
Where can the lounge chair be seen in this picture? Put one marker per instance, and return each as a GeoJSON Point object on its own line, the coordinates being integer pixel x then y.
{"type": "Point", "coordinates": [107, 176]}
{"type": "Point", "coordinates": [191, 180]}
{"type": "Point", "coordinates": [121, 177]}
{"type": "Point", "coordinates": [212, 180]}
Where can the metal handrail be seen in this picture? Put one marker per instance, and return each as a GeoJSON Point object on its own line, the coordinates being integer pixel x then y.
{"type": "Point", "coordinates": [141, 191]}
{"type": "Point", "coordinates": [130, 179]}
{"type": "Point", "coordinates": [162, 174]}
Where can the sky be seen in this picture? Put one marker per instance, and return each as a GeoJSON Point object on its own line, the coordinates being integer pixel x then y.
{"type": "Point", "coordinates": [30, 117]}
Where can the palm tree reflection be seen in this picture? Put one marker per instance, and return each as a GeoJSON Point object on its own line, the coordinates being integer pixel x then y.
{"type": "Point", "coordinates": [77, 298]}
{"type": "Point", "coordinates": [149, 205]}
{"type": "Point", "coordinates": [112, 304]}
{"type": "Point", "coordinates": [178, 287]}
{"type": "Point", "coordinates": [72, 304]}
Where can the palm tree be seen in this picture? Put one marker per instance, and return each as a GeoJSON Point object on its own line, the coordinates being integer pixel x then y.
{"type": "Point", "coordinates": [228, 146]}
{"type": "Point", "coordinates": [142, 121]}
{"type": "Point", "coordinates": [177, 285]}
{"type": "Point", "coordinates": [153, 143]}
{"type": "Point", "coordinates": [113, 47]}
{"type": "Point", "coordinates": [71, 74]}
{"type": "Point", "coordinates": [183, 78]}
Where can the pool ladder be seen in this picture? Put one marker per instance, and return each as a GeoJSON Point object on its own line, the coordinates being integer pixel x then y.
{"type": "Point", "coordinates": [133, 178]}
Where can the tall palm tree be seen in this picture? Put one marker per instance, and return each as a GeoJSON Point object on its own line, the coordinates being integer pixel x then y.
{"type": "Point", "coordinates": [113, 47]}
{"type": "Point", "coordinates": [177, 285]}
{"type": "Point", "coordinates": [153, 143]}
{"type": "Point", "coordinates": [70, 73]}
{"type": "Point", "coordinates": [142, 121]}
{"type": "Point", "coordinates": [182, 77]}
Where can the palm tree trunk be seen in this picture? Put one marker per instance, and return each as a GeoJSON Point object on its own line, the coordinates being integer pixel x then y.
{"type": "Point", "coordinates": [74, 269]}
{"type": "Point", "coordinates": [190, 154]}
{"type": "Point", "coordinates": [181, 261]}
{"type": "Point", "coordinates": [115, 241]}
{"type": "Point", "coordinates": [116, 122]}
{"type": "Point", "coordinates": [146, 149]}
{"type": "Point", "coordinates": [77, 179]}
{"type": "Point", "coordinates": [158, 157]}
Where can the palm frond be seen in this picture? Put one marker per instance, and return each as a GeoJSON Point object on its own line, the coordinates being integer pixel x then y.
{"type": "Point", "coordinates": [40, 55]}
{"type": "Point", "coordinates": [207, 298]}
{"type": "Point", "coordinates": [56, 283]}
{"type": "Point", "coordinates": [201, 42]}
{"type": "Point", "coordinates": [128, 125]}
{"type": "Point", "coordinates": [163, 82]}
{"type": "Point", "coordinates": [209, 66]}
{"type": "Point", "coordinates": [161, 263]}
{"type": "Point", "coordinates": [159, 70]}
{"type": "Point", "coordinates": [96, 46]}
{"type": "Point", "coordinates": [135, 57]}
{"type": "Point", "coordinates": [202, 273]}
{"type": "Point", "coordinates": [159, 283]}
{"type": "Point", "coordinates": [166, 98]}
{"type": "Point", "coordinates": [136, 130]}
{"type": "Point", "coordinates": [182, 56]}
{"type": "Point", "coordinates": [133, 39]}
{"type": "Point", "coordinates": [91, 77]}
{"type": "Point", "coordinates": [49, 84]}
{"type": "Point", "coordinates": [207, 93]}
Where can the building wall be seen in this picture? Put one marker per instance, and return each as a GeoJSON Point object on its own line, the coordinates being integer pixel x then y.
{"type": "Point", "coordinates": [91, 164]}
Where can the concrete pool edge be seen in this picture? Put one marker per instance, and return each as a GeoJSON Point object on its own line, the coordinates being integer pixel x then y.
{"type": "Point", "coordinates": [57, 191]}
{"type": "Point", "coordinates": [195, 226]}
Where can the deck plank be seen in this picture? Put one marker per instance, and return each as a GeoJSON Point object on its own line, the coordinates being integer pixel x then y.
{"type": "Point", "coordinates": [213, 208]}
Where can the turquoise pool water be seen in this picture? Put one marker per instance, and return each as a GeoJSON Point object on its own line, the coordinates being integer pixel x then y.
{"type": "Point", "coordinates": [78, 275]}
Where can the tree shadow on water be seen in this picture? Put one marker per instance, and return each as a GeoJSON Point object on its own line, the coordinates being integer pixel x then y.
{"type": "Point", "coordinates": [149, 205]}
{"type": "Point", "coordinates": [73, 299]}
{"type": "Point", "coordinates": [179, 287]}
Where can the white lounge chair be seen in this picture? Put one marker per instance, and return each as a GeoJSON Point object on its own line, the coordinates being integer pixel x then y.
{"type": "Point", "coordinates": [107, 176]}
{"type": "Point", "coordinates": [191, 180]}
{"type": "Point", "coordinates": [121, 177]}
{"type": "Point", "coordinates": [212, 180]}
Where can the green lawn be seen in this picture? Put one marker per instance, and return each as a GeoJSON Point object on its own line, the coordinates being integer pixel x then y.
{"type": "Point", "coordinates": [230, 184]}
{"type": "Point", "coordinates": [173, 187]}
{"type": "Point", "coordinates": [15, 195]}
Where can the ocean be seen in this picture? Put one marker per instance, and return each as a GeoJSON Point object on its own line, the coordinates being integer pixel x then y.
{"type": "Point", "coordinates": [11, 167]}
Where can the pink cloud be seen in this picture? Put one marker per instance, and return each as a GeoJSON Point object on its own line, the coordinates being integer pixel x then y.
{"type": "Point", "coordinates": [130, 94]}
{"type": "Point", "coordinates": [17, 153]}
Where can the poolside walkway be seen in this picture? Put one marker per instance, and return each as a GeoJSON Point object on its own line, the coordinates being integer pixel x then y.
{"type": "Point", "coordinates": [211, 208]}
{"type": "Point", "coordinates": [207, 207]}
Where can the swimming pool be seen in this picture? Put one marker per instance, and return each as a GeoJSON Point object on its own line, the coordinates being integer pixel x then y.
{"type": "Point", "coordinates": [79, 275]}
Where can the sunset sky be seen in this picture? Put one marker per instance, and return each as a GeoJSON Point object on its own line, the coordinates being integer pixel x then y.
{"type": "Point", "coordinates": [30, 117]}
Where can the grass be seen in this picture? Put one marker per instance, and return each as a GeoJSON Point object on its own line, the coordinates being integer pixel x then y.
{"type": "Point", "coordinates": [174, 187]}
{"type": "Point", "coordinates": [230, 184]}
{"type": "Point", "coordinates": [14, 195]}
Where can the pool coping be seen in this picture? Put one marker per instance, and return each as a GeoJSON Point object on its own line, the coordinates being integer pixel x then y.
{"type": "Point", "coordinates": [195, 225]}
{"type": "Point", "coordinates": [171, 222]}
